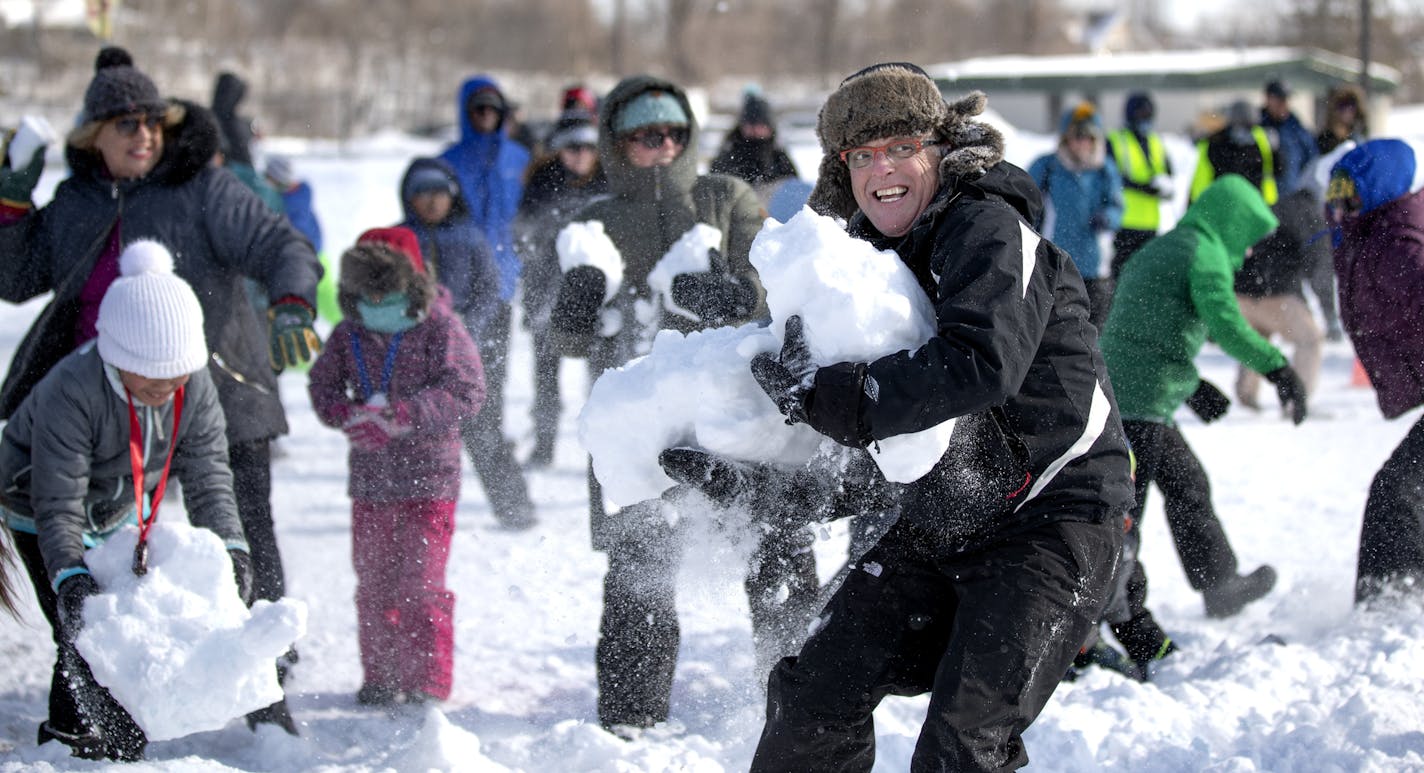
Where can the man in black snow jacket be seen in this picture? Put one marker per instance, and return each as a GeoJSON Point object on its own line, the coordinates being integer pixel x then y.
{"type": "Point", "coordinates": [1000, 562]}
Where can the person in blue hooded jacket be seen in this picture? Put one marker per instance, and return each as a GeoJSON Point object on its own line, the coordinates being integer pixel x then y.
{"type": "Point", "coordinates": [489, 166]}
{"type": "Point", "coordinates": [1082, 195]}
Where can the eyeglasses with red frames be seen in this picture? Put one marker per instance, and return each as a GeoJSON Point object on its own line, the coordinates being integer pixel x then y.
{"type": "Point", "coordinates": [899, 150]}
{"type": "Point", "coordinates": [652, 139]}
{"type": "Point", "coordinates": [128, 125]}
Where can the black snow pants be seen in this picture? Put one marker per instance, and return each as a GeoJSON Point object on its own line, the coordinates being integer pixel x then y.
{"type": "Point", "coordinates": [1392, 536]}
{"type": "Point", "coordinates": [491, 453]}
{"type": "Point", "coordinates": [1164, 458]}
{"type": "Point", "coordinates": [77, 703]}
{"type": "Point", "coordinates": [639, 634]}
{"type": "Point", "coordinates": [988, 632]}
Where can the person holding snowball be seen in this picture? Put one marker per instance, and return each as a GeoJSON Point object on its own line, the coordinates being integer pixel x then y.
{"type": "Point", "coordinates": [399, 376]}
{"type": "Point", "coordinates": [1000, 562]}
{"type": "Point", "coordinates": [647, 135]}
{"type": "Point", "coordinates": [138, 403]}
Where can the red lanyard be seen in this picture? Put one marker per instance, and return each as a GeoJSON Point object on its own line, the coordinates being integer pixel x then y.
{"type": "Point", "coordinates": [140, 560]}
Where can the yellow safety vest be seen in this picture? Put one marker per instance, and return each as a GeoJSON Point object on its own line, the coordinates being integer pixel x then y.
{"type": "Point", "coordinates": [1141, 211]}
{"type": "Point", "coordinates": [1205, 174]}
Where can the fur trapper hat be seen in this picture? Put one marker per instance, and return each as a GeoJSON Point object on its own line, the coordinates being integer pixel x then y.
{"type": "Point", "coordinates": [897, 99]}
{"type": "Point", "coordinates": [385, 261]}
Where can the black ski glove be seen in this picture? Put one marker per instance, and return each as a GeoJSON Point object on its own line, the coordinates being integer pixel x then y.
{"type": "Point", "coordinates": [721, 479]}
{"type": "Point", "coordinates": [1290, 390]}
{"type": "Point", "coordinates": [71, 595]}
{"type": "Point", "coordinates": [715, 298]}
{"type": "Point", "coordinates": [580, 296]}
{"type": "Point", "coordinates": [785, 379]}
{"type": "Point", "coordinates": [1208, 402]}
{"type": "Point", "coordinates": [242, 573]}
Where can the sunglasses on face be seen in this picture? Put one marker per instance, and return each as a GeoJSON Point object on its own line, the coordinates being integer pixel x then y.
{"type": "Point", "coordinates": [652, 139]}
{"type": "Point", "coordinates": [859, 158]}
{"type": "Point", "coordinates": [584, 148]}
{"type": "Point", "coordinates": [128, 125]}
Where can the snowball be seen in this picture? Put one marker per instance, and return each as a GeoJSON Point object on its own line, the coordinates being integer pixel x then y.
{"type": "Point", "coordinates": [586, 244]}
{"type": "Point", "coordinates": [688, 255]}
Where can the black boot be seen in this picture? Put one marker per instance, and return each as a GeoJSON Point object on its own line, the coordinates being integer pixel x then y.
{"type": "Point", "coordinates": [276, 714]}
{"type": "Point", "coordinates": [85, 744]}
{"type": "Point", "coordinates": [1227, 597]}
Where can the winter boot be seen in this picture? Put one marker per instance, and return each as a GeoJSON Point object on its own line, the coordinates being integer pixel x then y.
{"type": "Point", "coordinates": [85, 744]}
{"type": "Point", "coordinates": [1103, 655]}
{"type": "Point", "coordinates": [376, 695]}
{"type": "Point", "coordinates": [276, 714]}
{"type": "Point", "coordinates": [1227, 597]}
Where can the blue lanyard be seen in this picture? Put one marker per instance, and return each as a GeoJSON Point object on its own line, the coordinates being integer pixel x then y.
{"type": "Point", "coordinates": [386, 367]}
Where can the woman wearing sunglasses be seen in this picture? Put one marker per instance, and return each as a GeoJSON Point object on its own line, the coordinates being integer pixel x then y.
{"type": "Point", "coordinates": [142, 169]}
{"type": "Point", "coordinates": [647, 138]}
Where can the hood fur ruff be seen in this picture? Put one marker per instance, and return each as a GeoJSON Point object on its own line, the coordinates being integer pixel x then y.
{"type": "Point", "coordinates": [897, 101]}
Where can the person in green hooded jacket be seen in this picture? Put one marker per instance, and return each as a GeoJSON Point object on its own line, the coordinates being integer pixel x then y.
{"type": "Point", "coordinates": [1176, 292]}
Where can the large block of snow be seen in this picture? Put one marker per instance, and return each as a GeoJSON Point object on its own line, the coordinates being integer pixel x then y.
{"type": "Point", "coordinates": [177, 647]}
{"type": "Point", "coordinates": [857, 304]}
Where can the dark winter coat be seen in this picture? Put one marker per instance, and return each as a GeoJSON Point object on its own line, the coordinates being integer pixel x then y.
{"type": "Point", "coordinates": [457, 249]}
{"type": "Point", "coordinates": [1015, 360]}
{"type": "Point", "coordinates": [649, 210]}
{"type": "Point", "coordinates": [552, 196]}
{"type": "Point", "coordinates": [220, 233]}
{"type": "Point", "coordinates": [1380, 268]}
{"type": "Point", "coordinates": [437, 376]}
{"type": "Point", "coordinates": [491, 172]}
{"type": "Point", "coordinates": [759, 161]}
{"type": "Point", "coordinates": [65, 472]}
{"type": "Point", "coordinates": [1176, 292]}
{"type": "Point", "coordinates": [228, 92]}
{"type": "Point", "coordinates": [1283, 261]}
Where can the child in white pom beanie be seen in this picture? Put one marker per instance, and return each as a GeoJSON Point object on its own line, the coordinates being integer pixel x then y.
{"type": "Point", "coordinates": [65, 452]}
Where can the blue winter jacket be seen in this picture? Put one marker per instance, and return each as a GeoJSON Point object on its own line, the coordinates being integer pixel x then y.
{"type": "Point", "coordinates": [1076, 206]}
{"type": "Point", "coordinates": [491, 172]}
{"type": "Point", "coordinates": [1297, 149]}
{"type": "Point", "coordinates": [297, 203]}
{"type": "Point", "coordinates": [457, 249]}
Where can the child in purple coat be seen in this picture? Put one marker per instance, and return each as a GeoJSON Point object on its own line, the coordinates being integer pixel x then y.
{"type": "Point", "coordinates": [398, 375]}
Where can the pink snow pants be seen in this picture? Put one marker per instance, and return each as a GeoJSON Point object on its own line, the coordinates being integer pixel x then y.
{"type": "Point", "coordinates": [404, 611]}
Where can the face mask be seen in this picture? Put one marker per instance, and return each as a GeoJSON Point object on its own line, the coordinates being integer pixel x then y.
{"type": "Point", "coordinates": [388, 316]}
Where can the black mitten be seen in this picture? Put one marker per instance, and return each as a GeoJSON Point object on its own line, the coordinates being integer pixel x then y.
{"type": "Point", "coordinates": [1208, 402]}
{"type": "Point", "coordinates": [715, 298]}
{"type": "Point", "coordinates": [71, 595]}
{"type": "Point", "coordinates": [1291, 391]}
{"type": "Point", "coordinates": [580, 296]}
{"type": "Point", "coordinates": [242, 573]}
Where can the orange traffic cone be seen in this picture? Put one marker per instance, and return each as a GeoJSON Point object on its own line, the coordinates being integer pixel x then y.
{"type": "Point", "coordinates": [1359, 378]}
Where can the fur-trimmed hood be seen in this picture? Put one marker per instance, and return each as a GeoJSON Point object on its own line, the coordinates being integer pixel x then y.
{"type": "Point", "coordinates": [373, 267]}
{"type": "Point", "coordinates": [891, 100]}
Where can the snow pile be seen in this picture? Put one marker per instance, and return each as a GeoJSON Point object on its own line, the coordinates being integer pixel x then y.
{"type": "Point", "coordinates": [176, 647]}
{"type": "Point", "coordinates": [857, 303]}
{"type": "Point", "coordinates": [442, 746]}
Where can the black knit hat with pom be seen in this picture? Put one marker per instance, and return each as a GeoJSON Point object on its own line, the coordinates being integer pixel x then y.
{"type": "Point", "coordinates": [118, 88]}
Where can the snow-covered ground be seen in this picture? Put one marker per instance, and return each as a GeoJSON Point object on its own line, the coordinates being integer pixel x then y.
{"type": "Point", "coordinates": [1340, 694]}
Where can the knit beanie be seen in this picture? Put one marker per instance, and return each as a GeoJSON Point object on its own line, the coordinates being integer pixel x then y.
{"type": "Point", "coordinates": [428, 178]}
{"type": "Point", "coordinates": [118, 88]}
{"type": "Point", "coordinates": [574, 128]}
{"type": "Point", "coordinates": [651, 108]}
{"type": "Point", "coordinates": [279, 171]}
{"type": "Point", "coordinates": [1082, 117]}
{"type": "Point", "coordinates": [755, 110]}
{"type": "Point", "coordinates": [150, 322]}
{"type": "Point", "coordinates": [897, 99]}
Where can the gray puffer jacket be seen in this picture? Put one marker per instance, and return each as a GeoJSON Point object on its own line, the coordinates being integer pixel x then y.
{"type": "Point", "coordinates": [64, 459]}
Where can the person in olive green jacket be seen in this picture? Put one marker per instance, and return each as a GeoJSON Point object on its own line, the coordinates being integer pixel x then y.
{"type": "Point", "coordinates": [1175, 293]}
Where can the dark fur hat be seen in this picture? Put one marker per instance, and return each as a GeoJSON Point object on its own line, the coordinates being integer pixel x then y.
{"type": "Point", "coordinates": [378, 266]}
{"type": "Point", "coordinates": [895, 100]}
